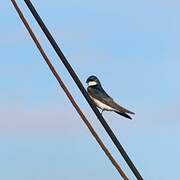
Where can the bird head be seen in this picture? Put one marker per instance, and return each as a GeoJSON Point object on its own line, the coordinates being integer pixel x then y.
{"type": "Point", "coordinates": [92, 81]}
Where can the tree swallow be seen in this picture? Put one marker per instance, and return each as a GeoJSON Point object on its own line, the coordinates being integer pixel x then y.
{"type": "Point", "coordinates": [102, 99]}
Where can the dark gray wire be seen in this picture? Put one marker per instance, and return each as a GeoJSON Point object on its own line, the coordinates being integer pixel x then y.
{"type": "Point", "coordinates": [82, 89]}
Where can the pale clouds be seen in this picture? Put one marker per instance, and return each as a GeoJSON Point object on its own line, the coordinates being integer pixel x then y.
{"type": "Point", "coordinates": [16, 118]}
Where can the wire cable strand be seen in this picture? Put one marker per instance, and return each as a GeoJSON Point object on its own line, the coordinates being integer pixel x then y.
{"type": "Point", "coordinates": [82, 89]}
{"type": "Point", "coordinates": [85, 120]}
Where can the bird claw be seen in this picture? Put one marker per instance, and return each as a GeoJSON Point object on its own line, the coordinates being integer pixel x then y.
{"type": "Point", "coordinates": [102, 111]}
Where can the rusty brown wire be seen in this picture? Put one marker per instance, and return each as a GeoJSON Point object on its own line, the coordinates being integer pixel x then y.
{"type": "Point", "coordinates": [83, 117]}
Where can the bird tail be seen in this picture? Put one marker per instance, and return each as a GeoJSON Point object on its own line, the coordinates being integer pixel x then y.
{"type": "Point", "coordinates": [130, 112]}
{"type": "Point", "coordinates": [122, 109]}
{"type": "Point", "coordinates": [124, 114]}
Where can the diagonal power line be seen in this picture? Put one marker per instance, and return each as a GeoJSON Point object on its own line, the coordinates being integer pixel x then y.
{"type": "Point", "coordinates": [85, 120]}
{"type": "Point", "coordinates": [82, 89]}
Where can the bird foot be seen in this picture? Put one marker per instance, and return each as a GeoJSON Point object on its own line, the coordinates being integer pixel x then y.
{"type": "Point", "coordinates": [102, 111]}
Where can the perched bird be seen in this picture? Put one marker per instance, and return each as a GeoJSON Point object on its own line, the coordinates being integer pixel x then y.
{"type": "Point", "coordinates": [102, 99]}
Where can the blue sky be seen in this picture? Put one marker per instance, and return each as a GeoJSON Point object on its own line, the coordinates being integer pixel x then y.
{"type": "Point", "coordinates": [133, 47]}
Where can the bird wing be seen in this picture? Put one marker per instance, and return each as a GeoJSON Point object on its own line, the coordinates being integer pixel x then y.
{"type": "Point", "coordinates": [99, 94]}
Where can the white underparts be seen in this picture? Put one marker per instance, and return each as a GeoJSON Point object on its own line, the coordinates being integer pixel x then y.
{"type": "Point", "coordinates": [92, 83]}
{"type": "Point", "coordinates": [102, 105]}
